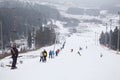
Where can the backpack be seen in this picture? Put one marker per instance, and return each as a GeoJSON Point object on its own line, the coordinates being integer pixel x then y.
{"type": "Point", "coordinates": [44, 54]}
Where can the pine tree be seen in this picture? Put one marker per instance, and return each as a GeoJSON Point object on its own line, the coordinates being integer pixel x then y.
{"type": "Point", "coordinates": [44, 38]}
{"type": "Point", "coordinates": [102, 38]}
{"type": "Point", "coordinates": [107, 38]}
{"type": "Point", "coordinates": [29, 39]}
{"type": "Point", "coordinates": [115, 37]}
{"type": "Point", "coordinates": [110, 37]}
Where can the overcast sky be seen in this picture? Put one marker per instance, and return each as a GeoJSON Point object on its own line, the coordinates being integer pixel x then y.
{"type": "Point", "coordinates": [92, 3]}
{"type": "Point", "coordinates": [86, 3]}
{"type": "Point", "coordinates": [95, 2]}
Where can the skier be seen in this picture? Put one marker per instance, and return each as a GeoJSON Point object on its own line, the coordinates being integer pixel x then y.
{"type": "Point", "coordinates": [63, 45]}
{"type": "Point", "coordinates": [41, 57]}
{"type": "Point", "coordinates": [44, 55]}
{"type": "Point", "coordinates": [57, 51]}
{"type": "Point", "coordinates": [53, 53]}
{"type": "Point", "coordinates": [71, 50]}
{"type": "Point", "coordinates": [50, 54]}
{"type": "Point", "coordinates": [80, 48]}
{"type": "Point", "coordinates": [101, 55]}
{"type": "Point", "coordinates": [14, 52]}
{"type": "Point", "coordinates": [79, 53]}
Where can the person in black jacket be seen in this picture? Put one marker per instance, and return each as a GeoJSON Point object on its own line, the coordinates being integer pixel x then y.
{"type": "Point", "coordinates": [14, 52]}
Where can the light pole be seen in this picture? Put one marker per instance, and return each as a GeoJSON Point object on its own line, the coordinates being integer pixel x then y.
{"type": "Point", "coordinates": [1, 37]}
{"type": "Point", "coordinates": [14, 29]}
{"type": "Point", "coordinates": [33, 38]}
{"type": "Point", "coordinates": [118, 33]}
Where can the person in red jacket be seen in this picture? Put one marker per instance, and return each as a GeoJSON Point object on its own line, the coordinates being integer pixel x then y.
{"type": "Point", "coordinates": [57, 51]}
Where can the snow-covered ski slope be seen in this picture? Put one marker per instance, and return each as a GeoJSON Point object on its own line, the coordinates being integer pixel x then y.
{"type": "Point", "coordinates": [68, 65]}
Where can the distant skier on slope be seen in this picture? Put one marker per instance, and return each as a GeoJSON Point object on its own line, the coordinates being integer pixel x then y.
{"type": "Point", "coordinates": [101, 55]}
{"type": "Point", "coordinates": [79, 53]}
{"type": "Point", "coordinates": [86, 47]}
{"type": "Point", "coordinates": [71, 50]}
{"type": "Point", "coordinates": [14, 52]}
{"type": "Point", "coordinates": [80, 48]}
{"type": "Point", "coordinates": [63, 45]}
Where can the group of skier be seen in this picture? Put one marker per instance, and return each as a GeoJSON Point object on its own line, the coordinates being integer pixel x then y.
{"type": "Point", "coordinates": [52, 53]}
{"type": "Point", "coordinates": [43, 55]}
{"type": "Point", "coordinates": [78, 51]}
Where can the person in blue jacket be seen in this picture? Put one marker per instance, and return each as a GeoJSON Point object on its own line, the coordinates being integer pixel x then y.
{"type": "Point", "coordinates": [53, 53]}
{"type": "Point", "coordinates": [50, 54]}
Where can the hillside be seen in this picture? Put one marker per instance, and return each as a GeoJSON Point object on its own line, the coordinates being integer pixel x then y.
{"type": "Point", "coordinates": [68, 65]}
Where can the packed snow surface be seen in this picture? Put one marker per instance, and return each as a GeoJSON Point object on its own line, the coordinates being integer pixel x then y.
{"type": "Point", "coordinates": [68, 65]}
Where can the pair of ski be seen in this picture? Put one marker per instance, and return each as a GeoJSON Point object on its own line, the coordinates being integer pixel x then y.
{"type": "Point", "coordinates": [9, 65]}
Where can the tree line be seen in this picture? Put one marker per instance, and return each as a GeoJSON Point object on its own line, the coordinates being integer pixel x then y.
{"type": "Point", "coordinates": [27, 16]}
{"type": "Point", "coordinates": [42, 37]}
{"type": "Point", "coordinates": [110, 39]}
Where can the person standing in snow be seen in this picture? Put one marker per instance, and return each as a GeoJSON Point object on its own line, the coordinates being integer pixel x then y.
{"type": "Point", "coordinates": [44, 55]}
{"type": "Point", "coordinates": [71, 50]}
{"type": "Point", "coordinates": [57, 51]}
{"type": "Point", "coordinates": [41, 57]}
{"type": "Point", "coordinates": [53, 53]}
{"type": "Point", "coordinates": [14, 52]}
{"type": "Point", "coordinates": [101, 55]}
{"type": "Point", "coordinates": [50, 54]}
